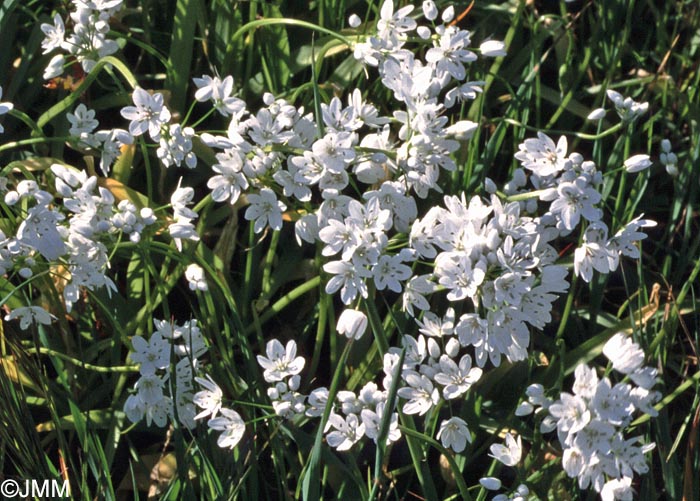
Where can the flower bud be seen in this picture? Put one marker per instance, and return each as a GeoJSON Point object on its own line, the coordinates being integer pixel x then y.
{"type": "Point", "coordinates": [637, 163]}
{"type": "Point", "coordinates": [352, 324]}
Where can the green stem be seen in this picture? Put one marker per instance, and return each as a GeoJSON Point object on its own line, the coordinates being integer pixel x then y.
{"type": "Point", "coordinates": [201, 119]}
{"type": "Point", "coordinates": [285, 300]}
{"type": "Point", "coordinates": [375, 323]}
{"type": "Point", "coordinates": [34, 140]}
{"type": "Point", "coordinates": [293, 22]}
{"type": "Point", "coordinates": [619, 201]}
{"type": "Point", "coordinates": [580, 135]}
{"type": "Point", "coordinates": [84, 365]}
{"type": "Point", "coordinates": [20, 115]}
{"type": "Point", "coordinates": [568, 308]}
{"type": "Point", "coordinates": [248, 276]}
{"type": "Point", "coordinates": [267, 265]}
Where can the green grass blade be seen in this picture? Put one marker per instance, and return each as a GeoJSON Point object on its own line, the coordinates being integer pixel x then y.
{"type": "Point", "coordinates": [180, 56]}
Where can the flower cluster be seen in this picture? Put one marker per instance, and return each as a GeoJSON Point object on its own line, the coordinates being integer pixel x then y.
{"type": "Point", "coordinates": [88, 42]}
{"type": "Point", "coordinates": [499, 260]}
{"type": "Point", "coordinates": [352, 416]}
{"type": "Point", "coordinates": [494, 258]}
{"type": "Point", "coordinates": [107, 142]}
{"type": "Point", "coordinates": [426, 376]}
{"type": "Point", "coordinates": [359, 186]}
{"type": "Point", "coordinates": [668, 158]}
{"type": "Point", "coordinates": [572, 185]}
{"type": "Point", "coordinates": [168, 362]}
{"type": "Point", "coordinates": [591, 422]}
{"type": "Point", "coordinates": [74, 236]}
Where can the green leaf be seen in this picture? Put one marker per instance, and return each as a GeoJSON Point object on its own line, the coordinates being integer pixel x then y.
{"type": "Point", "coordinates": [275, 47]}
{"type": "Point", "coordinates": [180, 57]}
{"type": "Point", "coordinates": [36, 164]}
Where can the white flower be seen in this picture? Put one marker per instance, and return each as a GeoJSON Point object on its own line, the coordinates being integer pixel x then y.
{"type": "Point", "coordinates": [454, 434]}
{"type": "Point", "coordinates": [510, 453]}
{"type": "Point", "coordinates": [54, 34]}
{"type": "Point", "coordinates": [462, 130]}
{"type": "Point", "coordinates": [347, 431]}
{"type": "Point", "coordinates": [612, 404]}
{"type": "Point", "coordinates": [232, 426]}
{"type": "Point", "coordinates": [192, 340]}
{"type": "Point", "coordinates": [430, 10]}
{"type": "Point", "coordinates": [459, 274]}
{"type": "Point", "coordinates": [182, 230]}
{"type": "Point", "coordinates": [392, 25]}
{"type": "Point", "coordinates": [182, 227]}
{"type": "Point", "coordinates": [595, 438]}
{"type": "Point", "coordinates": [595, 252]}
{"type": "Point", "coordinates": [158, 412]}
{"type": "Point", "coordinates": [348, 276]}
{"type": "Point", "coordinates": [542, 156]}
{"type": "Point", "coordinates": [149, 114]}
{"type": "Point", "coordinates": [280, 361]}
{"type": "Point", "coordinates": [421, 394]}
{"type": "Point", "coordinates": [134, 408]}
{"type": "Point", "coordinates": [352, 323]}
{"type": "Point", "coordinates": [456, 379]}
{"type": "Point", "coordinates": [627, 109]}
{"type": "Point", "coordinates": [626, 355]}
{"type": "Point", "coordinates": [576, 199]}
{"type": "Point", "coordinates": [493, 48]}
{"type": "Point", "coordinates": [318, 399]}
{"type": "Point", "coordinates": [618, 489]}
{"type": "Point", "coordinates": [450, 53]}
{"type": "Point", "coordinates": [354, 21]}
{"type": "Point", "coordinates": [586, 381]}
{"type": "Point", "coordinates": [5, 107]}
{"type": "Point", "coordinates": [39, 230]}
{"type": "Point", "coordinates": [82, 121]}
{"type": "Point", "coordinates": [195, 276]}
{"type": "Point", "coordinates": [219, 92]}
{"type": "Point", "coordinates": [490, 483]}
{"type": "Point", "coordinates": [414, 294]}
{"type": "Point", "coordinates": [572, 413]}
{"type": "Point", "coordinates": [334, 151]}
{"type": "Point", "coordinates": [150, 389]}
{"type": "Point", "coordinates": [112, 142]}
{"type": "Point", "coordinates": [389, 271]}
{"type": "Point", "coordinates": [637, 163]}
{"type": "Point", "coordinates": [625, 239]}
{"type": "Point", "coordinates": [175, 145]}
{"type": "Point", "coordinates": [372, 419]}
{"type": "Point", "coordinates": [644, 377]}
{"type": "Point", "coordinates": [597, 114]}
{"type": "Point", "coordinates": [434, 326]}
{"type": "Point", "coordinates": [448, 14]}
{"type": "Point", "coordinates": [55, 67]}
{"type": "Point", "coordinates": [30, 314]}
{"type": "Point", "coordinates": [265, 209]}
{"type": "Point", "coordinates": [231, 180]}
{"type": "Point", "coordinates": [209, 399]}
{"type": "Point", "coordinates": [668, 158]}
{"type": "Point", "coordinates": [573, 461]}
{"type": "Point", "coordinates": [152, 354]}
{"type": "Point", "coordinates": [524, 409]}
